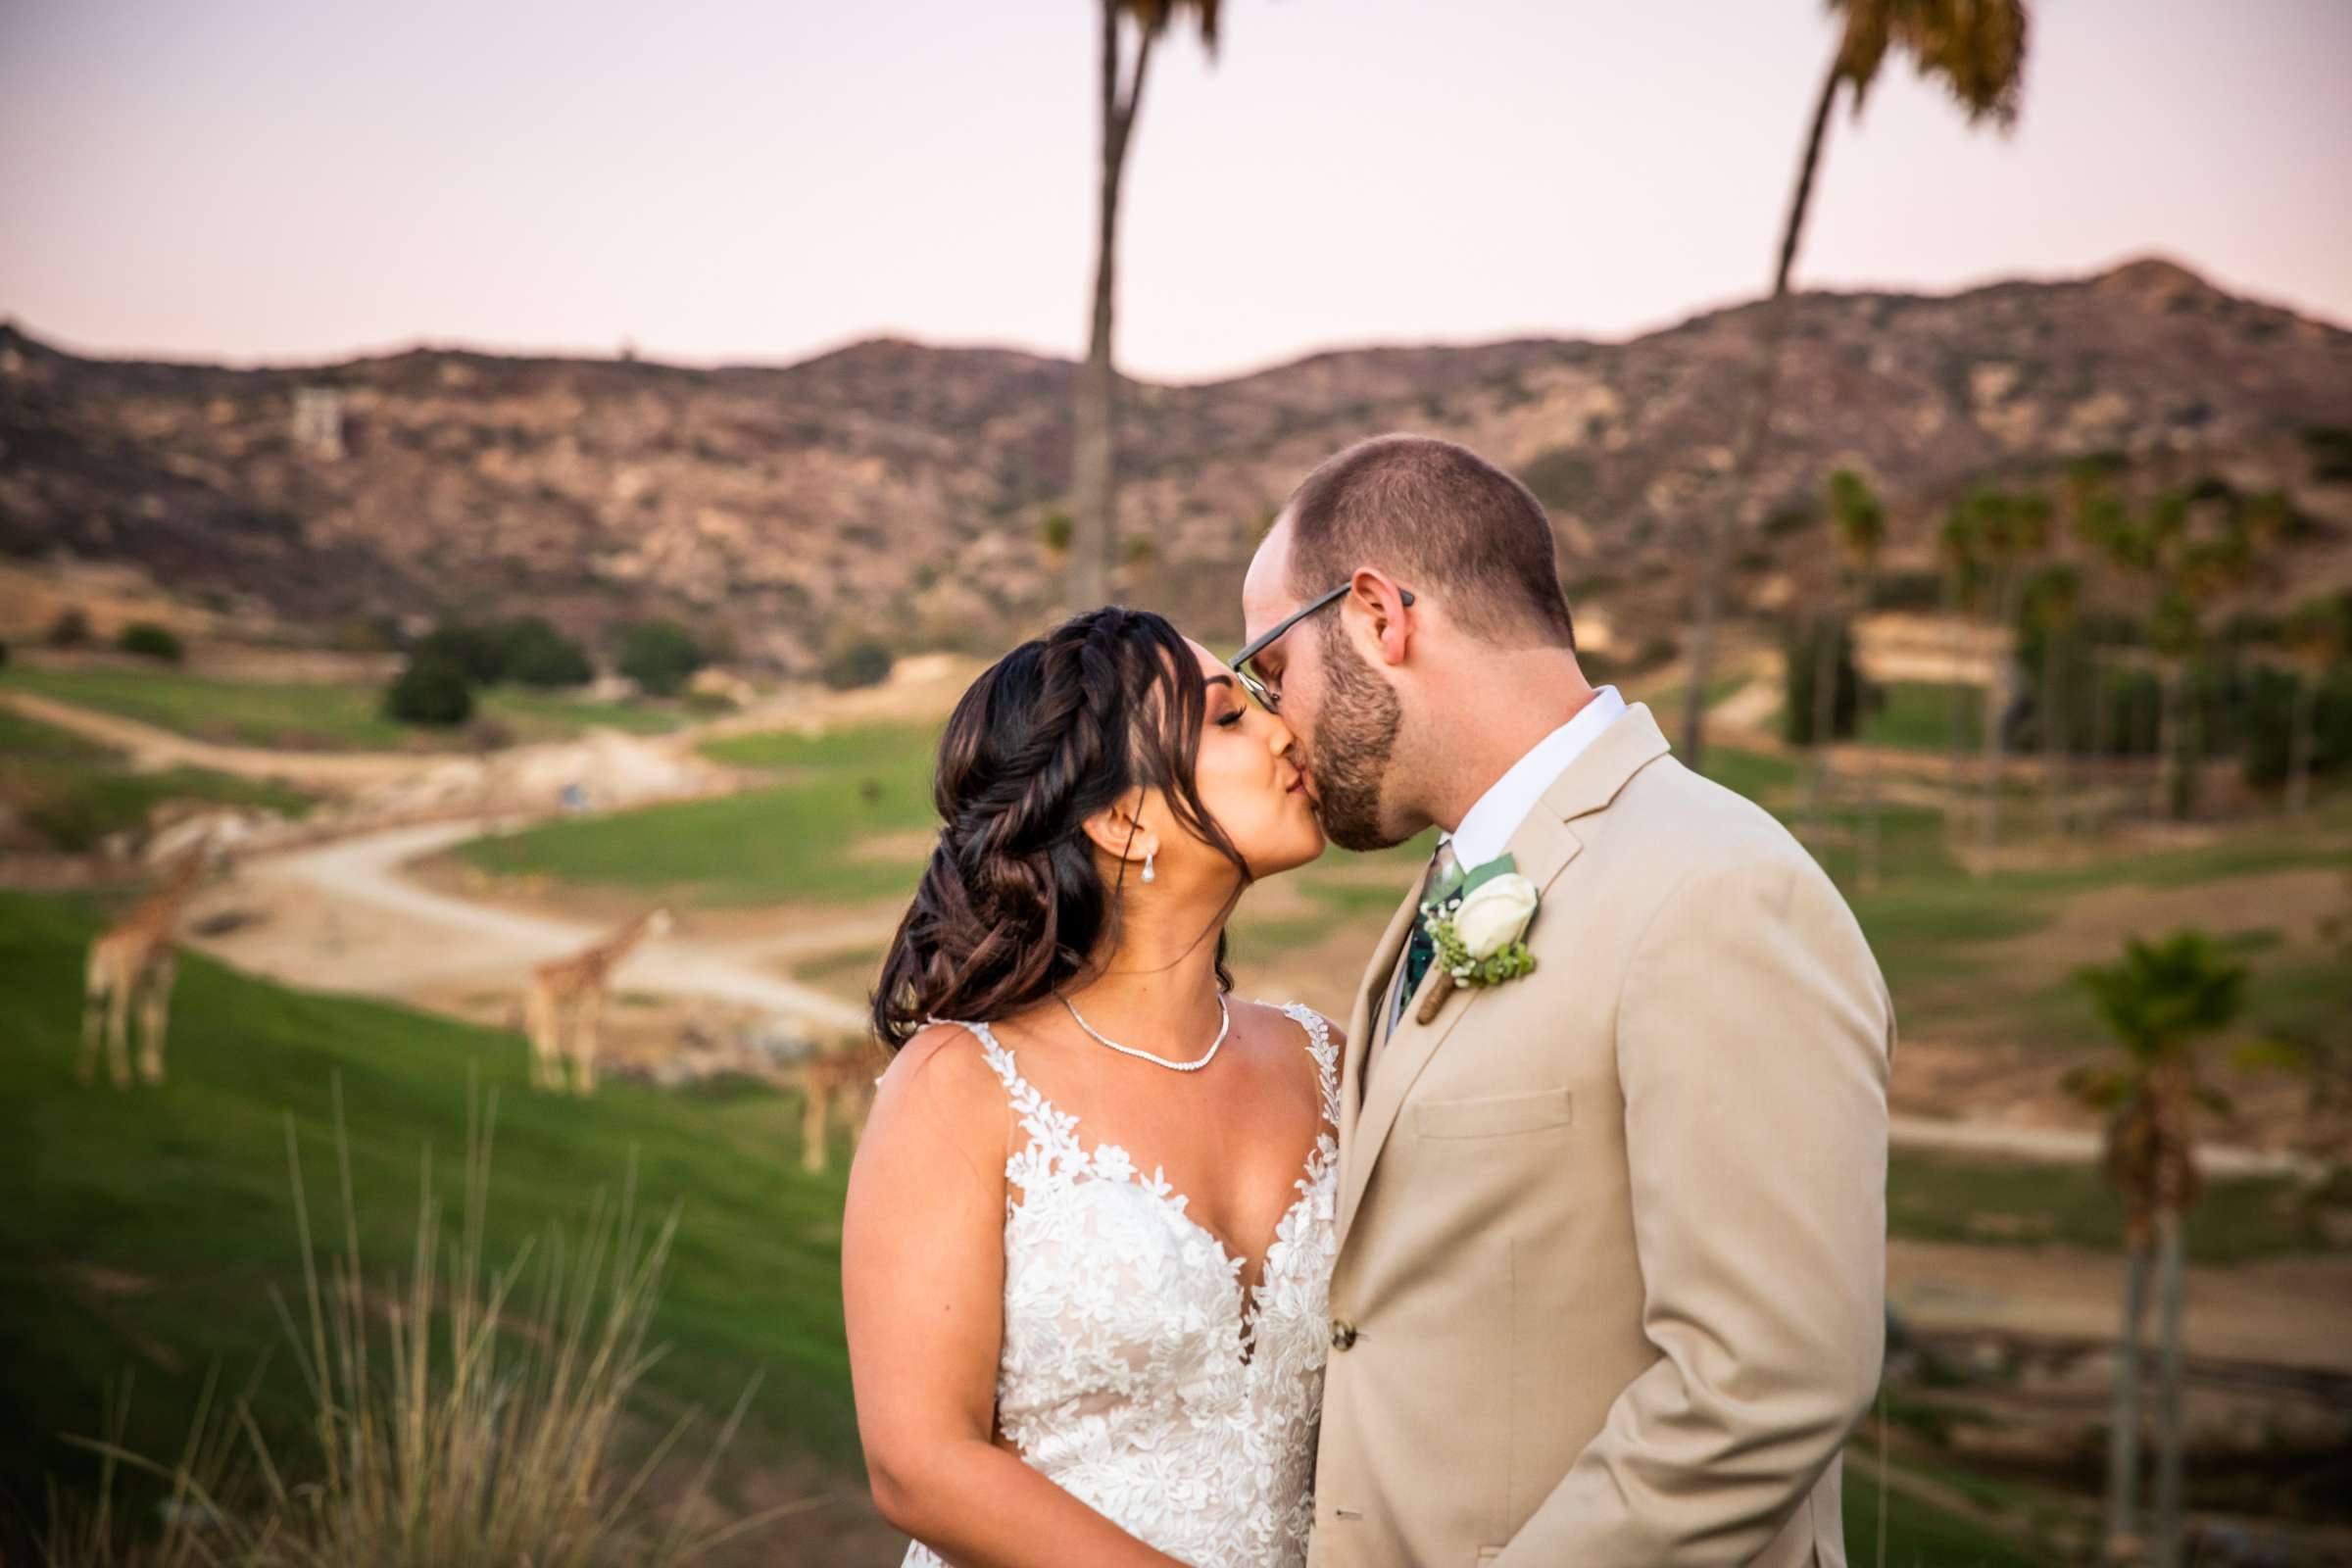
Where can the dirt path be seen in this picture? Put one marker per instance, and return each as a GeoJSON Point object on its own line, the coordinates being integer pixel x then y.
{"type": "Point", "coordinates": [151, 749]}
{"type": "Point", "coordinates": [2280, 1311]}
{"type": "Point", "coordinates": [344, 913]}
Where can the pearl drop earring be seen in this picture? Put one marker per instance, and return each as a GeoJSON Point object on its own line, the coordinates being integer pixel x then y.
{"type": "Point", "coordinates": [1148, 873]}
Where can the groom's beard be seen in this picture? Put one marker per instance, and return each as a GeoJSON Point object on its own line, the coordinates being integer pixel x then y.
{"type": "Point", "coordinates": [1349, 759]}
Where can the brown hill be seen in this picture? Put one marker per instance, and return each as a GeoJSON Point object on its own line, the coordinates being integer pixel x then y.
{"type": "Point", "coordinates": [904, 488]}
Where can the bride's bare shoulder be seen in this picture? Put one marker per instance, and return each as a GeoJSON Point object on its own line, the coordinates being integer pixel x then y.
{"type": "Point", "coordinates": [942, 1078]}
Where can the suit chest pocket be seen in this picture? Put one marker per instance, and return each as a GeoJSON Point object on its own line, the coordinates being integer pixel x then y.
{"type": "Point", "coordinates": [1492, 1115]}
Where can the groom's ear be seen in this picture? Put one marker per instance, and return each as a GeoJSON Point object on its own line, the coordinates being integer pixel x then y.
{"type": "Point", "coordinates": [1377, 604]}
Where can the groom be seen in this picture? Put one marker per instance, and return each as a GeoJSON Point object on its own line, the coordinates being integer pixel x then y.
{"type": "Point", "coordinates": [1610, 1284]}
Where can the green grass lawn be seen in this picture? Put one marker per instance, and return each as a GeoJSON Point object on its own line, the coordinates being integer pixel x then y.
{"type": "Point", "coordinates": [1917, 716]}
{"type": "Point", "coordinates": [1936, 1197]}
{"type": "Point", "coordinates": [147, 1230]}
{"type": "Point", "coordinates": [144, 1231]}
{"type": "Point", "coordinates": [793, 842]}
{"type": "Point", "coordinates": [73, 791]}
{"type": "Point", "coordinates": [315, 717]}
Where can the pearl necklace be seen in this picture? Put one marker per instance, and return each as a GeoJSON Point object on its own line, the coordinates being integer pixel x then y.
{"type": "Point", "coordinates": [1224, 1024]}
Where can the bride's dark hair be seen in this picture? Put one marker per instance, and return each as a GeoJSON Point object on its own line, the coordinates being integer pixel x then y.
{"type": "Point", "coordinates": [1011, 907]}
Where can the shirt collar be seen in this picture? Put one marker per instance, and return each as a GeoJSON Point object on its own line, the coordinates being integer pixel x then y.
{"type": "Point", "coordinates": [1487, 828]}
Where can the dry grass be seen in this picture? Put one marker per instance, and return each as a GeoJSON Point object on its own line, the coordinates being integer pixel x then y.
{"type": "Point", "coordinates": [464, 1414]}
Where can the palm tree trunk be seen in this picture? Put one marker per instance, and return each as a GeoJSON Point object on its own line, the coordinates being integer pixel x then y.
{"type": "Point", "coordinates": [1997, 691]}
{"type": "Point", "coordinates": [2122, 1432]}
{"type": "Point", "coordinates": [1825, 723]}
{"type": "Point", "coordinates": [1094, 477]}
{"type": "Point", "coordinates": [1723, 530]}
{"type": "Point", "coordinates": [2300, 743]}
{"type": "Point", "coordinates": [1866, 876]}
{"type": "Point", "coordinates": [2054, 737]}
{"type": "Point", "coordinates": [2168, 741]}
{"type": "Point", "coordinates": [2167, 1552]}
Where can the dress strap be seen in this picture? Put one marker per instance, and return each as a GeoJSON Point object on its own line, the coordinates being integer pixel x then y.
{"type": "Point", "coordinates": [1326, 1054]}
{"type": "Point", "coordinates": [1053, 1134]}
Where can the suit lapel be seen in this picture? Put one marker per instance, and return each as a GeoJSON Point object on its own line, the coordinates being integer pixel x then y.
{"type": "Point", "coordinates": [1544, 844]}
{"type": "Point", "coordinates": [1363, 1019]}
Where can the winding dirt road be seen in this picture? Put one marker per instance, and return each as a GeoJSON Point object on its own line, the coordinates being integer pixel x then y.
{"type": "Point", "coordinates": [343, 911]}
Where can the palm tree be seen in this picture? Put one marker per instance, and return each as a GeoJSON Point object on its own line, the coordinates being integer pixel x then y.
{"type": "Point", "coordinates": [2158, 1003]}
{"type": "Point", "coordinates": [2319, 635]}
{"type": "Point", "coordinates": [2006, 531]}
{"type": "Point", "coordinates": [1860, 526]}
{"type": "Point", "coordinates": [2053, 600]}
{"type": "Point", "coordinates": [1093, 473]}
{"type": "Point", "coordinates": [2195, 572]}
{"type": "Point", "coordinates": [1976, 48]}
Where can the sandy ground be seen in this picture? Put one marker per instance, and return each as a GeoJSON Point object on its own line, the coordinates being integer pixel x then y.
{"type": "Point", "coordinates": [2283, 1311]}
{"type": "Point", "coordinates": [151, 749]}
{"type": "Point", "coordinates": [344, 912]}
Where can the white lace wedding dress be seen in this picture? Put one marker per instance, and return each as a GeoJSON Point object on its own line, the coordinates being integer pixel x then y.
{"type": "Point", "coordinates": [1139, 1372]}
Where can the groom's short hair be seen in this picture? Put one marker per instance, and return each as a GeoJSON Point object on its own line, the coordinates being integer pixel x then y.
{"type": "Point", "coordinates": [1441, 519]}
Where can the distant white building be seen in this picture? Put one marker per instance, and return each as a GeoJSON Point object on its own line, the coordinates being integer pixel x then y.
{"type": "Point", "coordinates": [318, 421]}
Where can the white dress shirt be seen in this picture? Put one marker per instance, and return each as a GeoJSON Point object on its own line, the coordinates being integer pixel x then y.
{"type": "Point", "coordinates": [1487, 828]}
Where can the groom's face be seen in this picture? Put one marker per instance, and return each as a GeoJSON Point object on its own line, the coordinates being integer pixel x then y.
{"type": "Point", "coordinates": [1345, 716]}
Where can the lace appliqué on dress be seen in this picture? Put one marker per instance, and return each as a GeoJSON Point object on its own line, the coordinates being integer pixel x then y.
{"type": "Point", "coordinates": [1139, 1372]}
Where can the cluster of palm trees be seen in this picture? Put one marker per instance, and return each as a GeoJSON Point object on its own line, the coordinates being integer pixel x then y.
{"type": "Point", "coordinates": [2111, 607]}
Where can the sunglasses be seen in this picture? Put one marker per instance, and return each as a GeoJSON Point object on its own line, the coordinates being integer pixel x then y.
{"type": "Point", "coordinates": [1269, 697]}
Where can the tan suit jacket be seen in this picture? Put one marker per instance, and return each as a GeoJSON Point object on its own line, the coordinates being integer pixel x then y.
{"type": "Point", "coordinates": [1611, 1290]}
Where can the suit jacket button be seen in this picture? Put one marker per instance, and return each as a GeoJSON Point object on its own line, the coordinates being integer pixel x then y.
{"type": "Point", "coordinates": [1342, 1334]}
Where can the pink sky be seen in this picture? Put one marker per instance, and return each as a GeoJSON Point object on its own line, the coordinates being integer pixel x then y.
{"type": "Point", "coordinates": [261, 179]}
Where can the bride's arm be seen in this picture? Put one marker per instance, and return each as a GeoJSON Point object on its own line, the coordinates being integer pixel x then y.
{"type": "Point", "coordinates": [922, 1273]}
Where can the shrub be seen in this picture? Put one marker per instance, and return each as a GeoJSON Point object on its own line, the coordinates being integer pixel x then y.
{"type": "Point", "coordinates": [1056, 531]}
{"type": "Point", "coordinates": [533, 653]}
{"type": "Point", "coordinates": [432, 690]}
{"type": "Point", "coordinates": [1800, 660]}
{"type": "Point", "coordinates": [70, 629]}
{"type": "Point", "coordinates": [2330, 449]}
{"type": "Point", "coordinates": [856, 661]}
{"type": "Point", "coordinates": [479, 652]}
{"type": "Point", "coordinates": [2270, 717]}
{"type": "Point", "coordinates": [150, 641]}
{"type": "Point", "coordinates": [1561, 478]}
{"type": "Point", "coordinates": [660, 656]}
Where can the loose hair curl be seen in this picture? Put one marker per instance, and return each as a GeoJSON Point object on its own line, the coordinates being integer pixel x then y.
{"type": "Point", "coordinates": [1011, 907]}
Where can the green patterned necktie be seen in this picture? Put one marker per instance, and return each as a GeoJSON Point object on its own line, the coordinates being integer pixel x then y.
{"type": "Point", "coordinates": [1444, 876]}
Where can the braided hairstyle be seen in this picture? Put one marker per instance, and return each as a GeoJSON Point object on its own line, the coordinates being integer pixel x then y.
{"type": "Point", "coordinates": [1012, 907]}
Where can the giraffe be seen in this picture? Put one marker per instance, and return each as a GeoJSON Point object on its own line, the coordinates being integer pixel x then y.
{"type": "Point", "coordinates": [565, 1002]}
{"type": "Point", "coordinates": [842, 1076]}
{"type": "Point", "coordinates": [132, 963]}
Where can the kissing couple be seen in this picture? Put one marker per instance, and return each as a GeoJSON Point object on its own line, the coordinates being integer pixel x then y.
{"type": "Point", "coordinates": [1570, 1251]}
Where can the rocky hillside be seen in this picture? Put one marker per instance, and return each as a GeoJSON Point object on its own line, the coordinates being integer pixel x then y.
{"type": "Point", "coordinates": [905, 488]}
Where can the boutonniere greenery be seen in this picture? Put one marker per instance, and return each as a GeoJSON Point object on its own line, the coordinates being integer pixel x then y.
{"type": "Point", "coordinates": [1479, 931]}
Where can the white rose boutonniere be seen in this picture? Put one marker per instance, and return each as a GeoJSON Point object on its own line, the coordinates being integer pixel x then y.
{"type": "Point", "coordinates": [1479, 930]}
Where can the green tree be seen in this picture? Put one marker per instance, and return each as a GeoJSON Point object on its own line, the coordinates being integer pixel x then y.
{"type": "Point", "coordinates": [530, 651]}
{"type": "Point", "coordinates": [1859, 525]}
{"type": "Point", "coordinates": [1094, 464]}
{"type": "Point", "coordinates": [2004, 532]}
{"type": "Point", "coordinates": [1977, 50]}
{"type": "Point", "coordinates": [2159, 1004]}
{"type": "Point", "coordinates": [660, 656]}
{"type": "Point", "coordinates": [2318, 637]}
{"type": "Point", "coordinates": [148, 640]}
{"type": "Point", "coordinates": [433, 689]}
{"type": "Point", "coordinates": [2053, 603]}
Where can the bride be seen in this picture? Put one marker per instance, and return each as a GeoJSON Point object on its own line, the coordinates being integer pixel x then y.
{"type": "Point", "coordinates": [1090, 1229]}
